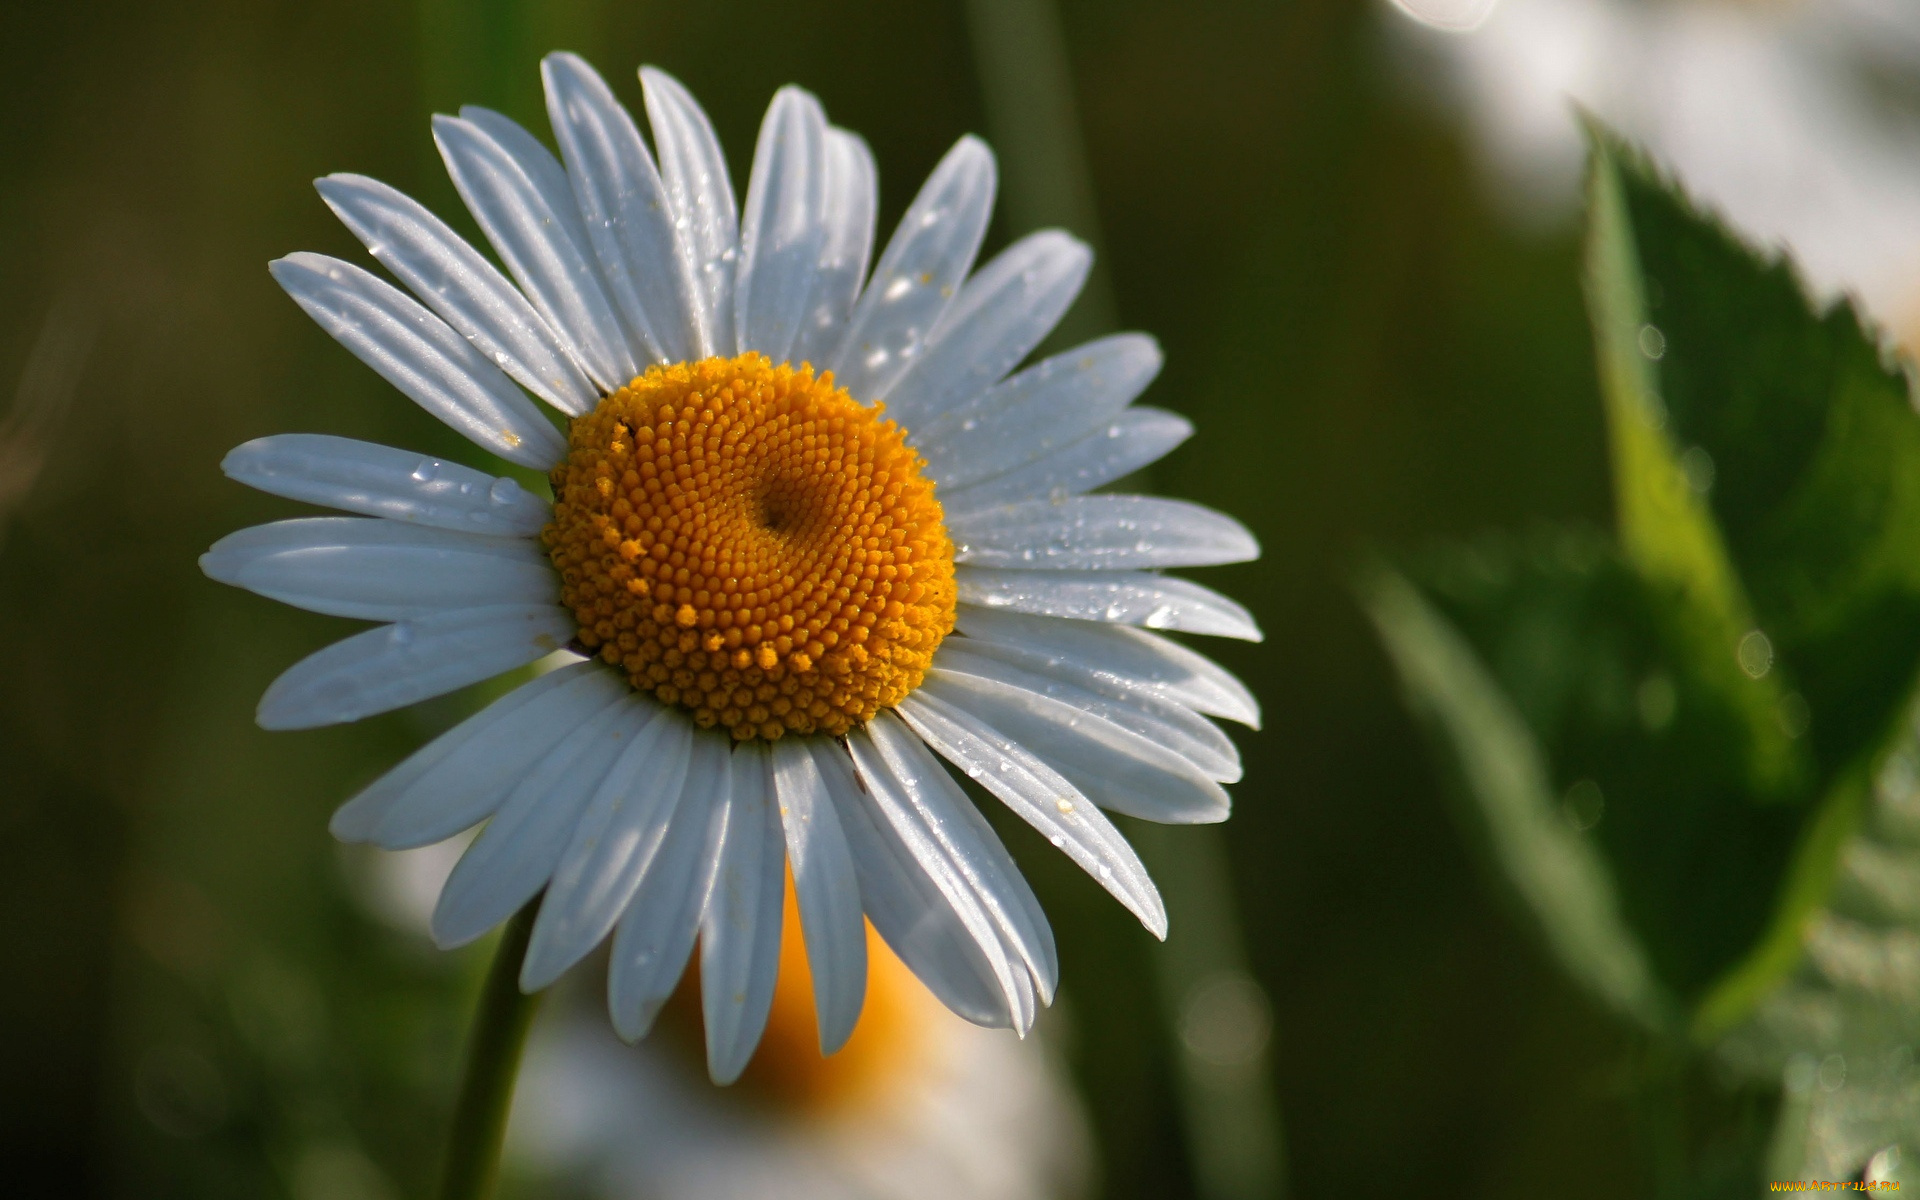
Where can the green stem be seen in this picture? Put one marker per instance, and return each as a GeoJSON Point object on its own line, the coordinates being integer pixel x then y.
{"type": "Point", "coordinates": [493, 1059]}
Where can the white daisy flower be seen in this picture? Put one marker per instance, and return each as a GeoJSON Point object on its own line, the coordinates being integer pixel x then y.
{"type": "Point", "coordinates": [784, 631]}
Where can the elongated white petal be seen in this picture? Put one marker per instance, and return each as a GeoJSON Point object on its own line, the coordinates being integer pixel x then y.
{"type": "Point", "coordinates": [1130, 657]}
{"type": "Point", "coordinates": [462, 776]}
{"type": "Point", "coordinates": [456, 281]}
{"type": "Point", "coordinates": [655, 936]}
{"type": "Point", "coordinates": [910, 910]}
{"type": "Point", "coordinates": [538, 235]}
{"type": "Point", "coordinates": [421, 355]}
{"type": "Point", "coordinates": [1131, 440]}
{"type": "Point", "coordinates": [543, 171]}
{"type": "Point", "coordinates": [920, 270]}
{"type": "Point", "coordinates": [1042, 797]}
{"type": "Point", "coordinates": [629, 222]}
{"type": "Point", "coordinates": [1081, 533]}
{"type": "Point", "coordinates": [380, 570]}
{"type": "Point", "coordinates": [380, 481]}
{"type": "Point", "coordinates": [783, 227]}
{"type": "Point", "coordinates": [997, 319]}
{"type": "Point", "coordinates": [853, 198]}
{"type": "Point", "coordinates": [1119, 597]}
{"type": "Point", "coordinates": [409, 661]}
{"type": "Point", "coordinates": [614, 843]}
{"type": "Point", "coordinates": [1111, 766]}
{"type": "Point", "coordinates": [932, 845]}
{"type": "Point", "coordinates": [740, 930]}
{"type": "Point", "coordinates": [828, 891]}
{"type": "Point", "coordinates": [941, 810]}
{"type": "Point", "coordinates": [1044, 408]}
{"type": "Point", "coordinates": [693, 170]}
{"type": "Point", "coordinates": [515, 854]}
{"type": "Point", "coordinates": [1163, 724]}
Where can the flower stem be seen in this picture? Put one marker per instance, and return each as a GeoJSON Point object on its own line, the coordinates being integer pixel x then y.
{"type": "Point", "coordinates": [493, 1060]}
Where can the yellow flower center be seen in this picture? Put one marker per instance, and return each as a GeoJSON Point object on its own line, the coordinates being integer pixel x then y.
{"type": "Point", "coordinates": [749, 542]}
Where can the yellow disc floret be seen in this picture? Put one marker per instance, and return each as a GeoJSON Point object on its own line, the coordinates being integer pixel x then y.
{"type": "Point", "coordinates": [749, 542]}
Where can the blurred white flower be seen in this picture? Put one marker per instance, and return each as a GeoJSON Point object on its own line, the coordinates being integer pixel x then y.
{"type": "Point", "coordinates": [1799, 121]}
{"type": "Point", "coordinates": [919, 1105]}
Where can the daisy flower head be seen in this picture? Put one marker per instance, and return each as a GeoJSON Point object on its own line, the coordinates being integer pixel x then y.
{"type": "Point", "coordinates": [811, 534]}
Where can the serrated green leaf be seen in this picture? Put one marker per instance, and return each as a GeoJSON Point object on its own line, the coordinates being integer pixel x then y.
{"type": "Point", "coordinates": [1666, 528]}
{"type": "Point", "coordinates": [1791, 432]}
{"type": "Point", "coordinates": [1803, 440]}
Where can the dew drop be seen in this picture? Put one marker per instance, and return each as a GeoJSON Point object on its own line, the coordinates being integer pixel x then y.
{"type": "Point", "coordinates": [400, 633]}
{"type": "Point", "coordinates": [427, 471]}
{"type": "Point", "coordinates": [504, 491]}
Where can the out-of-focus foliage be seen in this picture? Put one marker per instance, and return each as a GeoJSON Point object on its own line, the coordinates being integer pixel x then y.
{"type": "Point", "coordinates": [1667, 738]}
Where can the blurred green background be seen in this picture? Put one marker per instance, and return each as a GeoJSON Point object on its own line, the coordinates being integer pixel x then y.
{"type": "Point", "coordinates": [194, 1006]}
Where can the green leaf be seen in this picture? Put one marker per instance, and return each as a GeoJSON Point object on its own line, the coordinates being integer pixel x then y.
{"type": "Point", "coordinates": [1667, 529]}
{"type": "Point", "coordinates": [1642, 753]}
{"type": "Point", "coordinates": [1495, 758]}
{"type": "Point", "coordinates": [1779, 446]}
{"type": "Point", "coordinates": [1801, 435]}
{"type": "Point", "coordinates": [1710, 694]}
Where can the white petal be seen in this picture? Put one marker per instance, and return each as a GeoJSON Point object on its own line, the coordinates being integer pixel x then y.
{"type": "Point", "coordinates": [409, 661]}
{"type": "Point", "coordinates": [1080, 533]}
{"type": "Point", "coordinates": [828, 891]}
{"type": "Point", "coordinates": [740, 930]}
{"type": "Point", "coordinates": [655, 936]}
{"type": "Point", "coordinates": [1129, 656]}
{"type": "Point", "coordinates": [515, 854]}
{"type": "Point", "coordinates": [694, 173]}
{"type": "Point", "coordinates": [1163, 724]}
{"type": "Point", "coordinates": [380, 481]}
{"type": "Point", "coordinates": [922, 267]}
{"type": "Point", "coordinates": [783, 227]}
{"type": "Point", "coordinates": [462, 776]}
{"type": "Point", "coordinates": [614, 843]}
{"type": "Point", "coordinates": [421, 355]}
{"type": "Point", "coordinates": [1130, 441]}
{"type": "Point", "coordinates": [1120, 597]}
{"type": "Point", "coordinates": [853, 197]}
{"type": "Point", "coordinates": [1044, 408]}
{"type": "Point", "coordinates": [624, 208]}
{"type": "Point", "coordinates": [968, 844]}
{"type": "Point", "coordinates": [456, 281]}
{"type": "Point", "coordinates": [1041, 796]}
{"type": "Point", "coordinates": [910, 910]}
{"type": "Point", "coordinates": [531, 221]}
{"type": "Point", "coordinates": [930, 843]}
{"type": "Point", "coordinates": [543, 171]}
{"type": "Point", "coordinates": [997, 319]}
{"type": "Point", "coordinates": [380, 570]}
{"type": "Point", "coordinates": [1111, 766]}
